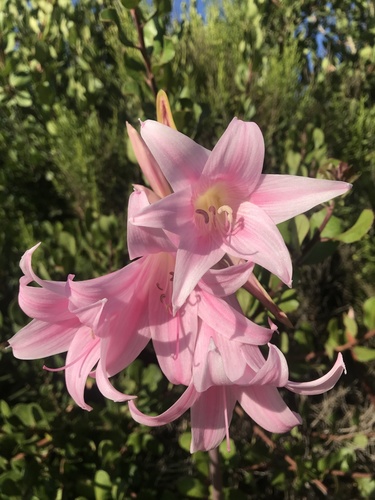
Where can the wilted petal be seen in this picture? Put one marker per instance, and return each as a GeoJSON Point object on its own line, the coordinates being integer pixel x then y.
{"type": "Point", "coordinates": [180, 158]}
{"type": "Point", "coordinates": [285, 196]}
{"type": "Point", "coordinates": [267, 408]}
{"type": "Point", "coordinates": [322, 384]}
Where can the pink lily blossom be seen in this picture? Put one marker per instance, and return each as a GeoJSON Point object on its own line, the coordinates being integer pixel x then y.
{"type": "Point", "coordinates": [86, 319]}
{"type": "Point", "coordinates": [211, 405]}
{"type": "Point", "coordinates": [223, 204]}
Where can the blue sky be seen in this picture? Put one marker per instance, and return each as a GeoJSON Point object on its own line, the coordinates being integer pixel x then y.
{"type": "Point", "coordinates": [177, 7]}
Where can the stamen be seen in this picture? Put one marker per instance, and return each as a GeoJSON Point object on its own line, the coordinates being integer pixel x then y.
{"type": "Point", "coordinates": [171, 275]}
{"type": "Point", "coordinates": [206, 217]}
{"type": "Point", "coordinates": [158, 285]}
{"type": "Point", "coordinates": [177, 337]}
{"type": "Point", "coordinates": [229, 212]}
{"type": "Point", "coordinates": [162, 298]}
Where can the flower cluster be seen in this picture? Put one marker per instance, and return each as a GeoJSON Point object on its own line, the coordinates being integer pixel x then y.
{"type": "Point", "coordinates": [194, 237]}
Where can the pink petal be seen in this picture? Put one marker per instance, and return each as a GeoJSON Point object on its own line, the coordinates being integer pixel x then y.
{"type": "Point", "coordinates": [180, 158]}
{"type": "Point", "coordinates": [39, 339]}
{"type": "Point", "coordinates": [148, 164]}
{"type": "Point", "coordinates": [174, 341]}
{"type": "Point", "coordinates": [260, 241]}
{"type": "Point", "coordinates": [238, 156]}
{"type": "Point", "coordinates": [174, 213]}
{"type": "Point", "coordinates": [232, 324]}
{"type": "Point", "coordinates": [175, 411]}
{"type": "Point", "coordinates": [267, 408]}
{"type": "Point", "coordinates": [273, 371]}
{"type": "Point", "coordinates": [208, 368]}
{"type": "Point", "coordinates": [57, 287]}
{"type": "Point", "coordinates": [43, 304]}
{"type": "Point", "coordinates": [83, 354]}
{"type": "Point", "coordinates": [106, 388]}
{"type": "Point", "coordinates": [226, 281]}
{"type": "Point", "coordinates": [194, 258]}
{"type": "Point", "coordinates": [322, 384]}
{"type": "Point", "coordinates": [210, 418]}
{"type": "Point", "coordinates": [285, 196]}
{"type": "Point", "coordinates": [144, 240]}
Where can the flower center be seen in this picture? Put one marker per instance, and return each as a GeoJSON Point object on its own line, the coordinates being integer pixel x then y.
{"type": "Point", "coordinates": [213, 211]}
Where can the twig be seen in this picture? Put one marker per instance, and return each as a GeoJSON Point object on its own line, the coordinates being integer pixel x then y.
{"type": "Point", "coordinates": [142, 48]}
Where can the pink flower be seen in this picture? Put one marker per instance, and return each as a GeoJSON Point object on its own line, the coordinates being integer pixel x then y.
{"type": "Point", "coordinates": [87, 319]}
{"type": "Point", "coordinates": [211, 404]}
{"type": "Point", "coordinates": [222, 203]}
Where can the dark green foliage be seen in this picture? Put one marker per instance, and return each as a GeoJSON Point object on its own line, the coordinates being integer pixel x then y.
{"type": "Point", "coordinates": [71, 75]}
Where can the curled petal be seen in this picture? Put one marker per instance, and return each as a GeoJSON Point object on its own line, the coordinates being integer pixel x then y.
{"type": "Point", "coordinates": [106, 388]}
{"type": "Point", "coordinates": [175, 411]}
{"type": "Point", "coordinates": [322, 384]}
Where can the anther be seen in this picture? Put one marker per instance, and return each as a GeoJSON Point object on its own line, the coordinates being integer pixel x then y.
{"type": "Point", "coordinates": [158, 285]}
{"type": "Point", "coordinates": [228, 210]}
{"type": "Point", "coordinates": [206, 217]}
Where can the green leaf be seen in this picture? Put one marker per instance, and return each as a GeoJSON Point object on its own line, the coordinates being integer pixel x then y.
{"type": "Point", "coordinates": [293, 161]}
{"type": "Point", "coordinates": [351, 326]}
{"type": "Point", "coordinates": [23, 99]}
{"type": "Point", "coordinates": [318, 137]}
{"type": "Point", "coordinates": [130, 4]}
{"type": "Point", "coordinates": [103, 485]}
{"type": "Point", "coordinates": [360, 228]}
{"type": "Point", "coordinates": [369, 313]}
{"type": "Point", "coordinates": [364, 354]}
{"type": "Point", "coordinates": [184, 441]}
{"type": "Point", "coordinates": [224, 452]}
{"type": "Point", "coordinates": [111, 15]}
{"type": "Point", "coordinates": [191, 487]}
{"type": "Point", "coordinates": [302, 226]}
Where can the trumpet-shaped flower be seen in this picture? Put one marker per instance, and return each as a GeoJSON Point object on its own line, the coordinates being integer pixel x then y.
{"type": "Point", "coordinates": [88, 320]}
{"type": "Point", "coordinates": [222, 203]}
{"type": "Point", "coordinates": [212, 403]}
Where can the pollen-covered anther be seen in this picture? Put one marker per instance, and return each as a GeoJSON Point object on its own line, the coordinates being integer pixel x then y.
{"type": "Point", "coordinates": [227, 209]}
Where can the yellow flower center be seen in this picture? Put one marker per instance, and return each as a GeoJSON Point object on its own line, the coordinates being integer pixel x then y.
{"type": "Point", "coordinates": [213, 211]}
